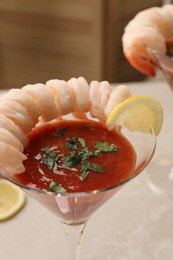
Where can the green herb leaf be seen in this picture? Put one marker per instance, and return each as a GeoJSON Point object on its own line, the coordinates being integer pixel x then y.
{"type": "Point", "coordinates": [50, 158]}
{"type": "Point", "coordinates": [60, 132]}
{"type": "Point", "coordinates": [84, 173]}
{"type": "Point", "coordinates": [87, 154]}
{"type": "Point", "coordinates": [84, 170]}
{"type": "Point", "coordinates": [89, 166]}
{"type": "Point", "coordinates": [49, 151]}
{"type": "Point", "coordinates": [105, 147]}
{"type": "Point", "coordinates": [71, 159]}
{"type": "Point", "coordinates": [94, 167]}
{"type": "Point", "coordinates": [83, 150]}
{"type": "Point", "coordinates": [82, 142]}
{"type": "Point", "coordinates": [56, 187]}
{"type": "Point", "coordinates": [72, 144]}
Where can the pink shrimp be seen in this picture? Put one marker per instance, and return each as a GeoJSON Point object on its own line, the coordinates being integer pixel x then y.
{"type": "Point", "coordinates": [44, 100]}
{"type": "Point", "coordinates": [17, 113]}
{"type": "Point", "coordinates": [80, 89]}
{"type": "Point", "coordinates": [63, 95]}
{"type": "Point", "coordinates": [25, 100]}
{"type": "Point", "coordinates": [9, 138]}
{"type": "Point", "coordinates": [150, 28]}
{"type": "Point", "coordinates": [99, 95]}
{"type": "Point", "coordinates": [117, 96]}
{"type": "Point", "coordinates": [11, 159]}
{"type": "Point", "coordinates": [9, 125]}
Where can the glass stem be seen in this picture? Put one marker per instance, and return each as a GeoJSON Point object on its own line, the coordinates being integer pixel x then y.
{"type": "Point", "coordinates": [74, 234]}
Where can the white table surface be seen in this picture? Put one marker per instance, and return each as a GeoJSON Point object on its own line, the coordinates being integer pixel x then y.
{"type": "Point", "coordinates": [135, 224]}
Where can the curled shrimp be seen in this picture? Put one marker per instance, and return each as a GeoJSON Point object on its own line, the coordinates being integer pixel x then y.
{"type": "Point", "coordinates": [80, 89]}
{"type": "Point", "coordinates": [9, 138]}
{"type": "Point", "coordinates": [13, 163]}
{"type": "Point", "coordinates": [63, 95]}
{"type": "Point", "coordinates": [99, 95]}
{"type": "Point", "coordinates": [54, 99]}
{"type": "Point", "coordinates": [44, 99]}
{"type": "Point", "coordinates": [25, 100]}
{"type": "Point", "coordinates": [117, 96]}
{"type": "Point", "coordinates": [151, 29]}
{"type": "Point", "coordinates": [14, 129]}
{"type": "Point", "coordinates": [17, 113]}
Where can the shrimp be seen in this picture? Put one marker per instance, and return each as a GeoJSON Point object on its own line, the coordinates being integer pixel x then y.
{"type": "Point", "coordinates": [9, 138]}
{"type": "Point", "coordinates": [44, 100]}
{"type": "Point", "coordinates": [25, 100]}
{"type": "Point", "coordinates": [99, 95]}
{"type": "Point", "coordinates": [11, 159]}
{"type": "Point", "coordinates": [117, 96]}
{"type": "Point", "coordinates": [9, 125]}
{"type": "Point", "coordinates": [63, 95]}
{"type": "Point", "coordinates": [17, 113]}
{"type": "Point", "coordinates": [52, 100]}
{"type": "Point", "coordinates": [80, 88]}
{"type": "Point", "coordinates": [150, 29]}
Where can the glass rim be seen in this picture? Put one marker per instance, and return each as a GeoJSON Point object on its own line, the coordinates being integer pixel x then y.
{"type": "Point", "coordinates": [85, 193]}
{"type": "Point", "coordinates": [157, 53]}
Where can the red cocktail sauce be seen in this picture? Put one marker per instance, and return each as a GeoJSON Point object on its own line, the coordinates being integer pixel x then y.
{"type": "Point", "coordinates": [117, 165]}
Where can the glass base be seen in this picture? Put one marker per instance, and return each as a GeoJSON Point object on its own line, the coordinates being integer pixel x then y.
{"type": "Point", "coordinates": [160, 176]}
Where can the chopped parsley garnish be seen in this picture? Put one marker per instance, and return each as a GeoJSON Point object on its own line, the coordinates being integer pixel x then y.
{"type": "Point", "coordinates": [82, 142]}
{"type": "Point", "coordinates": [72, 143]}
{"type": "Point", "coordinates": [93, 167]}
{"type": "Point", "coordinates": [105, 147]}
{"type": "Point", "coordinates": [60, 132]}
{"type": "Point", "coordinates": [71, 159]}
{"type": "Point", "coordinates": [86, 166]}
{"type": "Point", "coordinates": [85, 154]}
{"type": "Point", "coordinates": [56, 187]}
{"type": "Point", "coordinates": [82, 153]}
{"type": "Point", "coordinates": [78, 157]}
{"type": "Point", "coordinates": [50, 158]}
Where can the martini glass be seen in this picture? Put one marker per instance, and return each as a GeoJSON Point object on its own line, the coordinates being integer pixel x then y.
{"type": "Point", "coordinates": [160, 177]}
{"type": "Point", "coordinates": [75, 209]}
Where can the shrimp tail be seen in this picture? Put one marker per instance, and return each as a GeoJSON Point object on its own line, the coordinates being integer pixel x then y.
{"type": "Point", "coordinates": [149, 29]}
{"type": "Point", "coordinates": [145, 64]}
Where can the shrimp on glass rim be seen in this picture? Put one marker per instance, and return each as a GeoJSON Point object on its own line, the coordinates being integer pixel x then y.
{"type": "Point", "coordinates": [99, 95]}
{"type": "Point", "coordinates": [14, 129]}
{"type": "Point", "coordinates": [23, 109]}
{"type": "Point", "coordinates": [25, 100]}
{"type": "Point", "coordinates": [11, 159]}
{"type": "Point", "coordinates": [151, 28]}
{"type": "Point", "coordinates": [59, 89]}
{"type": "Point", "coordinates": [17, 113]}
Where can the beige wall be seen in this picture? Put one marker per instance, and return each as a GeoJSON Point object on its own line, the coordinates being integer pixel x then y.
{"type": "Point", "coordinates": [43, 39]}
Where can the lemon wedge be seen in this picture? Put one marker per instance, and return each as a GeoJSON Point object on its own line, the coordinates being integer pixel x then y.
{"type": "Point", "coordinates": [138, 113]}
{"type": "Point", "coordinates": [12, 199]}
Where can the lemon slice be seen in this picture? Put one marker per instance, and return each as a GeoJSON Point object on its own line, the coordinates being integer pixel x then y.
{"type": "Point", "coordinates": [12, 199]}
{"type": "Point", "coordinates": [138, 113]}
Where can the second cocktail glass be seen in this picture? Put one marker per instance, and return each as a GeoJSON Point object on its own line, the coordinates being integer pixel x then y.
{"type": "Point", "coordinates": [160, 171]}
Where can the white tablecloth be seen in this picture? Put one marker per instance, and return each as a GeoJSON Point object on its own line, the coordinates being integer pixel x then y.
{"type": "Point", "coordinates": [135, 224]}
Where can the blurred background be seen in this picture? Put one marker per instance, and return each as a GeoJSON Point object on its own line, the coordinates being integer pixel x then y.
{"type": "Point", "coordinates": [46, 39]}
